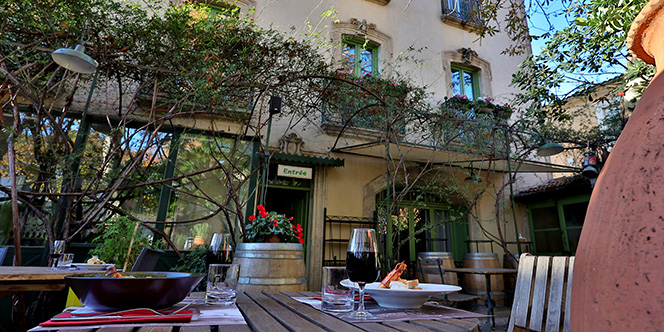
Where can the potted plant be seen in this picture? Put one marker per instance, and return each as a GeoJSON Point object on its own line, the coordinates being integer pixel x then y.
{"type": "Point", "coordinates": [272, 227]}
{"type": "Point", "coordinates": [271, 255]}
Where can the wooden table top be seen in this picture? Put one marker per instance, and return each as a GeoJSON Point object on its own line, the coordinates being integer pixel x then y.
{"type": "Point", "coordinates": [278, 311]}
{"type": "Point", "coordinates": [25, 273]}
{"type": "Point", "coordinates": [480, 270]}
{"type": "Point", "coordinates": [32, 278]}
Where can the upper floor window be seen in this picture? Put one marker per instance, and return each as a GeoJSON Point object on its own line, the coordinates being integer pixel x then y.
{"type": "Point", "coordinates": [465, 10]}
{"type": "Point", "coordinates": [465, 81]}
{"type": "Point", "coordinates": [359, 58]}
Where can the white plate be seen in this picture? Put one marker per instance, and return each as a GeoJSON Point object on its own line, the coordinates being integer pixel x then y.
{"type": "Point", "coordinates": [403, 298]}
{"type": "Point", "coordinates": [91, 267]}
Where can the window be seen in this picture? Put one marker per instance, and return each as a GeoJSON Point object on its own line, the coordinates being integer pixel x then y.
{"type": "Point", "coordinates": [465, 82]}
{"type": "Point", "coordinates": [465, 10]}
{"type": "Point", "coordinates": [359, 58]}
{"type": "Point", "coordinates": [556, 226]}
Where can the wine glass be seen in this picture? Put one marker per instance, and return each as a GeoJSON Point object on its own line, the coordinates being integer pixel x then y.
{"type": "Point", "coordinates": [220, 249]}
{"type": "Point", "coordinates": [56, 251]}
{"type": "Point", "coordinates": [362, 265]}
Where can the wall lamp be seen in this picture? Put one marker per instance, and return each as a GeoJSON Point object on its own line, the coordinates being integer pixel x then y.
{"type": "Point", "coordinates": [550, 149]}
{"type": "Point", "coordinates": [75, 60]}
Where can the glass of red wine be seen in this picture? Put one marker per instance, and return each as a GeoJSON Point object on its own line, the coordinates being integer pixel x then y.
{"type": "Point", "coordinates": [362, 265]}
{"type": "Point", "coordinates": [220, 250]}
{"type": "Point", "coordinates": [56, 251]}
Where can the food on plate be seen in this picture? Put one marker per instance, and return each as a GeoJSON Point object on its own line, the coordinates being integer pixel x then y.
{"type": "Point", "coordinates": [95, 260]}
{"type": "Point", "coordinates": [393, 279]}
{"type": "Point", "coordinates": [113, 272]}
{"type": "Point", "coordinates": [405, 284]}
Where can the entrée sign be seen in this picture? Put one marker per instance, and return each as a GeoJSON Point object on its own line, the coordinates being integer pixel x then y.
{"type": "Point", "coordinates": [294, 172]}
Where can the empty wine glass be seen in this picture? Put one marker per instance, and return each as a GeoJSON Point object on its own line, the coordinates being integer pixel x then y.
{"type": "Point", "coordinates": [56, 251]}
{"type": "Point", "coordinates": [362, 265]}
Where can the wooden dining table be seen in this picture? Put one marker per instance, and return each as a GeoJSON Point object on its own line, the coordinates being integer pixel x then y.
{"type": "Point", "coordinates": [281, 311]}
{"type": "Point", "coordinates": [15, 279]}
{"type": "Point", "coordinates": [487, 272]}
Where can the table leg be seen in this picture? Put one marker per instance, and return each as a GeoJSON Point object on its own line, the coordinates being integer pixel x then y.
{"type": "Point", "coordinates": [489, 302]}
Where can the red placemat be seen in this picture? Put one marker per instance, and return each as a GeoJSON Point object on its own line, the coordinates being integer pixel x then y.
{"type": "Point", "coordinates": [128, 316]}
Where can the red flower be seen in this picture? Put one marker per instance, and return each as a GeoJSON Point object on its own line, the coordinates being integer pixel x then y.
{"type": "Point", "coordinates": [274, 222]}
{"type": "Point", "coordinates": [261, 208]}
{"type": "Point", "coordinates": [291, 218]}
{"type": "Point", "coordinates": [301, 241]}
{"type": "Point", "coordinates": [252, 218]}
{"type": "Point", "coordinates": [621, 93]}
{"type": "Point", "coordinates": [263, 214]}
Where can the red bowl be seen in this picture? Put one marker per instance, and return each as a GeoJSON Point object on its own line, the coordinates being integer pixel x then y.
{"type": "Point", "coordinates": [154, 290]}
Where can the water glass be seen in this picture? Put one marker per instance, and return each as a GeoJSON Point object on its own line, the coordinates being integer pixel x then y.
{"type": "Point", "coordinates": [222, 284]}
{"type": "Point", "coordinates": [65, 261]}
{"type": "Point", "coordinates": [336, 298]}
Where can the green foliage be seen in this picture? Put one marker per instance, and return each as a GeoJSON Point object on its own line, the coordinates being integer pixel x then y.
{"type": "Point", "coordinates": [115, 238]}
{"type": "Point", "coordinates": [588, 53]}
{"type": "Point", "coordinates": [194, 262]}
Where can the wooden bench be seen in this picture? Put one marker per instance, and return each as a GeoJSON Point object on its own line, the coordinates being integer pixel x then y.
{"type": "Point", "coordinates": [428, 266]}
{"type": "Point", "coordinates": [542, 294]}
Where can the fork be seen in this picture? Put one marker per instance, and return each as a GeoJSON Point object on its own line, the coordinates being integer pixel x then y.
{"type": "Point", "coordinates": [118, 314]}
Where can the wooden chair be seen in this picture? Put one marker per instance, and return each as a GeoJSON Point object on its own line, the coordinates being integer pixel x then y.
{"type": "Point", "coordinates": [429, 266]}
{"type": "Point", "coordinates": [542, 294]}
{"type": "Point", "coordinates": [147, 260]}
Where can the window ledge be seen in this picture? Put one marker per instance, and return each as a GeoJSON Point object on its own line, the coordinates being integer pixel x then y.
{"type": "Point", "coordinates": [459, 23]}
{"type": "Point", "coordinates": [380, 2]}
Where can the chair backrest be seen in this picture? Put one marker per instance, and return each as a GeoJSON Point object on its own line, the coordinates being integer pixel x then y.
{"type": "Point", "coordinates": [147, 260]}
{"type": "Point", "coordinates": [430, 266]}
{"type": "Point", "coordinates": [3, 254]}
{"type": "Point", "coordinates": [542, 294]}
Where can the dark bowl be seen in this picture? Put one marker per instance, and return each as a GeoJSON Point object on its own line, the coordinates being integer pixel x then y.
{"type": "Point", "coordinates": [154, 290]}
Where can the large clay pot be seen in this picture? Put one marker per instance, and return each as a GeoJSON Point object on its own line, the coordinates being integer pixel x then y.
{"type": "Point", "coordinates": [618, 281]}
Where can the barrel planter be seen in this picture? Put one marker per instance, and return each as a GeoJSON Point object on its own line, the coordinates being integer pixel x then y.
{"type": "Point", "coordinates": [510, 262]}
{"type": "Point", "coordinates": [274, 266]}
{"type": "Point", "coordinates": [476, 283]}
{"type": "Point", "coordinates": [446, 261]}
{"type": "Point", "coordinates": [617, 283]}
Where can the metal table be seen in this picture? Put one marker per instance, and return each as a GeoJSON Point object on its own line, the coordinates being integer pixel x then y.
{"type": "Point", "coordinates": [487, 272]}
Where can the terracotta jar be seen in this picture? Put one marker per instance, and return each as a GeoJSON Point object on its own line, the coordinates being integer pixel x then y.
{"type": "Point", "coordinates": [618, 281]}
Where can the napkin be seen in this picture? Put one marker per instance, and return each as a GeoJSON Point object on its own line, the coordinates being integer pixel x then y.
{"type": "Point", "coordinates": [128, 316]}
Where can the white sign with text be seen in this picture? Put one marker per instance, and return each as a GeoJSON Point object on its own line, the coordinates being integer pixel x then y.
{"type": "Point", "coordinates": [294, 171]}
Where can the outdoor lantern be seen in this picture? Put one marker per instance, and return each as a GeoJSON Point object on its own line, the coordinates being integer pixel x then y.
{"type": "Point", "coordinates": [473, 178]}
{"type": "Point", "coordinates": [75, 60]}
{"type": "Point", "coordinates": [550, 149]}
{"type": "Point", "coordinates": [590, 165]}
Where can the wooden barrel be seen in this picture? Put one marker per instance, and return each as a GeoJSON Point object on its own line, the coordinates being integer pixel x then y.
{"type": "Point", "coordinates": [510, 262]}
{"type": "Point", "coordinates": [275, 266]}
{"type": "Point", "coordinates": [476, 283]}
{"type": "Point", "coordinates": [431, 274]}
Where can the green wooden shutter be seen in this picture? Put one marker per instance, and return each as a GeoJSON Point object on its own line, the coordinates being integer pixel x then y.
{"type": "Point", "coordinates": [459, 235]}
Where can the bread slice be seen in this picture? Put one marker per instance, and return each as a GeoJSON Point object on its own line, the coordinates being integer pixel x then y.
{"type": "Point", "coordinates": [412, 283]}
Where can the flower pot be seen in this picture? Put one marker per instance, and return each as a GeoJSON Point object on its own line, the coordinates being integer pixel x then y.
{"type": "Point", "coordinates": [199, 241]}
{"type": "Point", "coordinates": [274, 266]}
{"type": "Point", "coordinates": [617, 284]}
